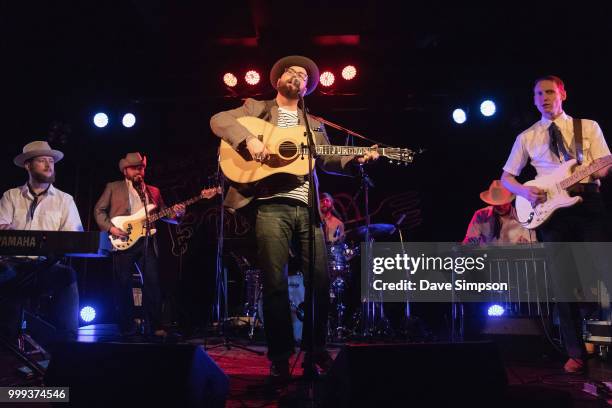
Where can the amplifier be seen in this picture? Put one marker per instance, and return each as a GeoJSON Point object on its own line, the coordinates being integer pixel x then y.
{"type": "Point", "coordinates": [598, 331]}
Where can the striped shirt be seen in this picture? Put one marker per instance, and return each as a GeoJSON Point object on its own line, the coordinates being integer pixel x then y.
{"type": "Point", "coordinates": [291, 187]}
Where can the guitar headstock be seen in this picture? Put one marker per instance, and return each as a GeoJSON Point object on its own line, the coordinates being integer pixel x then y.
{"type": "Point", "coordinates": [210, 192]}
{"type": "Point", "coordinates": [212, 187]}
{"type": "Point", "coordinates": [398, 155]}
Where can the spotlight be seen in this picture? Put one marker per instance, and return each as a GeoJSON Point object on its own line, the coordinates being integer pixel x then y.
{"type": "Point", "coordinates": [88, 313]}
{"type": "Point", "coordinates": [349, 72]}
{"type": "Point", "coordinates": [495, 310]}
{"type": "Point", "coordinates": [128, 120]}
{"type": "Point", "coordinates": [327, 79]}
{"type": "Point", "coordinates": [230, 79]}
{"type": "Point", "coordinates": [459, 116]}
{"type": "Point", "coordinates": [100, 119]}
{"type": "Point", "coordinates": [252, 77]}
{"type": "Point", "coordinates": [487, 108]}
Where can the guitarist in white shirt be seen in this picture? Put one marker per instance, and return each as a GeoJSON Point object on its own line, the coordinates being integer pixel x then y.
{"type": "Point", "coordinates": [547, 145]}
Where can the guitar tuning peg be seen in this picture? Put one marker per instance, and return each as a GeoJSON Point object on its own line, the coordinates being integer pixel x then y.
{"type": "Point", "coordinates": [390, 161]}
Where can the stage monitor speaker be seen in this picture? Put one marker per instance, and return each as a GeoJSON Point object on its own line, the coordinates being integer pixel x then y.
{"type": "Point", "coordinates": [519, 326]}
{"type": "Point", "coordinates": [113, 374]}
{"type": "Point", "coordinates": [520, 338]}
{"type": "Point", "coordinates": [416, 375]}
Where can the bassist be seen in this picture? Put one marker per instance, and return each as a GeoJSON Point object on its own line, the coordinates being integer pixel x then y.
{"type": "Point", "coordinates": [127, 197]}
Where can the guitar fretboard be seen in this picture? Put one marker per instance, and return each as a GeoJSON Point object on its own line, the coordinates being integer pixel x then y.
{"type": "Point", "coordinates": [169, 212]}
{"type": "Point", "coordinates": [329, 150]}
{"type": "Point", "coordinates": [586, 171]}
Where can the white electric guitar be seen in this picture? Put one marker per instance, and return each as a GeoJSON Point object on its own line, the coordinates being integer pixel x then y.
{"type": "Point", "coordinates": [136, 224]}
{"type": "Point", "coordinates": [555, 185]}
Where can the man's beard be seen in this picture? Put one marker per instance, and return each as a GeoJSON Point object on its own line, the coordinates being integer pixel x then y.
{"type": "Point", "coordinates": [287, 90]}
{"type": "Point", "coordinates": [42, 178]}
{"type": "Point", "coordinates": [136, 180]}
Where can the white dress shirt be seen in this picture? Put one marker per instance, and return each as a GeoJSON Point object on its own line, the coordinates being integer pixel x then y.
{"type": "Point", "coordinates": [56, 210]}
{"type": "Point", "coordinates": [134, 197]}
{"type": "Point", "coordinates": [533, 144]}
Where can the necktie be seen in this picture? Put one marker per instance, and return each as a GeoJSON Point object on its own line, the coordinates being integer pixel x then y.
{"type": "Point", "coordinates": [35, 200]}
{"type": "Point", "coordinates": [556, 142]}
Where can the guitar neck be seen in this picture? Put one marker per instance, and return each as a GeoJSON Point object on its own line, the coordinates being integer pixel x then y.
{"type": "Point", "coordinates": [329, 150]}
{"type": "Point", "coordinates": [168, 212]}
{"type": "Point", "coordinates": [586, 171]}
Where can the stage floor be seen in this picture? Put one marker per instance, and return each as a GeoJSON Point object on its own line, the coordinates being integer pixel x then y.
{"type": "Point", "coordinates": [247, 373]}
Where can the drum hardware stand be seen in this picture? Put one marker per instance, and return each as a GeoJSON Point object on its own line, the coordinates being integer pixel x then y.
{"type": "Point", "coordinates": [252, 277]}
{"type": "Point", "coordinates": [340, 332]}
{"type": "Point", "coordinates": [373, 317]}
{"type": "Point", "coordinates": [222, 309]}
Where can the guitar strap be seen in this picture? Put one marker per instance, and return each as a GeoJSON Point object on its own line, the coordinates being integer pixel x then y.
{"type": "Point", "coordinates": [578, 139]}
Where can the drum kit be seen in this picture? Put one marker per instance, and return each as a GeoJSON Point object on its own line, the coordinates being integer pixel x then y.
{"type": "Point", "coordinates": [343, 267]}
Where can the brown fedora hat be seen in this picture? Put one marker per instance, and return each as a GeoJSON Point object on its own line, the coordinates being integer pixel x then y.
{"type": "Point", "coordinates": [35, 149]}
{"type": "Point", "coordinates": [296, 61]}
{"type": "Point", "coordinates": [132, 159]}
{"type": "Point", "coordinates": [497, 194]}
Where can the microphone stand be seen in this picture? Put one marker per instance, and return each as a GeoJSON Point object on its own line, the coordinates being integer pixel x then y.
{"type": "Point", "coordinates": [142, 192]}
{"type": "Point", "coordinates": [221, 274]}
{"type": "Point", "coordinates": [309, 367]}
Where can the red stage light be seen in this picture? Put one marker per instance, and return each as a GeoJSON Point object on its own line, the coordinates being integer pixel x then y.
{"type": "Point", "coordinates": [252, 77]}
{"type": "Point", "coordinates": [230, 79]}
{"type": "Point", "coordinates": [327, 78]}
{"type": "Point", "coordinates": [349, 72]}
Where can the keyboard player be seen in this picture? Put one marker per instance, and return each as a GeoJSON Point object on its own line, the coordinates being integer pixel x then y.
{"type": "Point", "coordinates": [38, 205]}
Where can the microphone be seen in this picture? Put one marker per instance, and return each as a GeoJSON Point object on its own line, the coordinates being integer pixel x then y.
{"type": "Point", "coordinates": [139, 186]}
{"type": "Point", "coordinates": [296, 82]}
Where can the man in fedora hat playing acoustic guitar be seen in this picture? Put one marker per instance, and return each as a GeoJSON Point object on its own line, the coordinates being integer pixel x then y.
{"type": "Point", "coordinates": [127, 197]}
{"type": "Point", "coordinates": [496, 224]}
{"type": "Point", "coordinates": [282, 213]}
{"type": "Point", "coordinates": [38, 205]}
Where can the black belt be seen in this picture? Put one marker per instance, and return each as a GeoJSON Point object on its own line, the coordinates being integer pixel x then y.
{"type": "Point", "coordinates": [584, 188]}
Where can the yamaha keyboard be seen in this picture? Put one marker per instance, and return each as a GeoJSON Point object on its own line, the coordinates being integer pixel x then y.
{"type": "Point", "coordinates": [57, 243]}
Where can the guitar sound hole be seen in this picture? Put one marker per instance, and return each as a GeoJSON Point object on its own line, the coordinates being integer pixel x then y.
{"type": "Point", "coordinates": [287, 150]}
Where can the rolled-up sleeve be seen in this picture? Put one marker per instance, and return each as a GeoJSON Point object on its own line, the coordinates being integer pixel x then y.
{"type": "Point", "coordinates": [518, 157]}
{"type": "Point", "coordinates": [599, 147]}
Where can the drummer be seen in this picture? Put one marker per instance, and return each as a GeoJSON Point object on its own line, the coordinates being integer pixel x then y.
{"type": "Point", "coordinates": [332, 226]}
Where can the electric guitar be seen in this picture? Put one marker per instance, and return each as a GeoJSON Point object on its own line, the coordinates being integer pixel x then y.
{"type": "Point", "coordinates": [555, 185]}
{"type": "Point", "coordinates": [288, 152]}
{"type": "Point", "coordinates": [136, 224]}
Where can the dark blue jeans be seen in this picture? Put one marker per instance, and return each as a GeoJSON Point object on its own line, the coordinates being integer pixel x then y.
{"type": "Point", "coordinates": [277, 226]}
{"type": "Point", "coordinates": [23, 278]}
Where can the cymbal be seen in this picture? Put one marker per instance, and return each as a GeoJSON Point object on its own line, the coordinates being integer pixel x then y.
{"type": "Point", "coordinates": [377, 231]}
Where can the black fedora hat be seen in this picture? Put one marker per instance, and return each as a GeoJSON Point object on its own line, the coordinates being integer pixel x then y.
{"type": "Point", "coordinates": [296, 61]}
